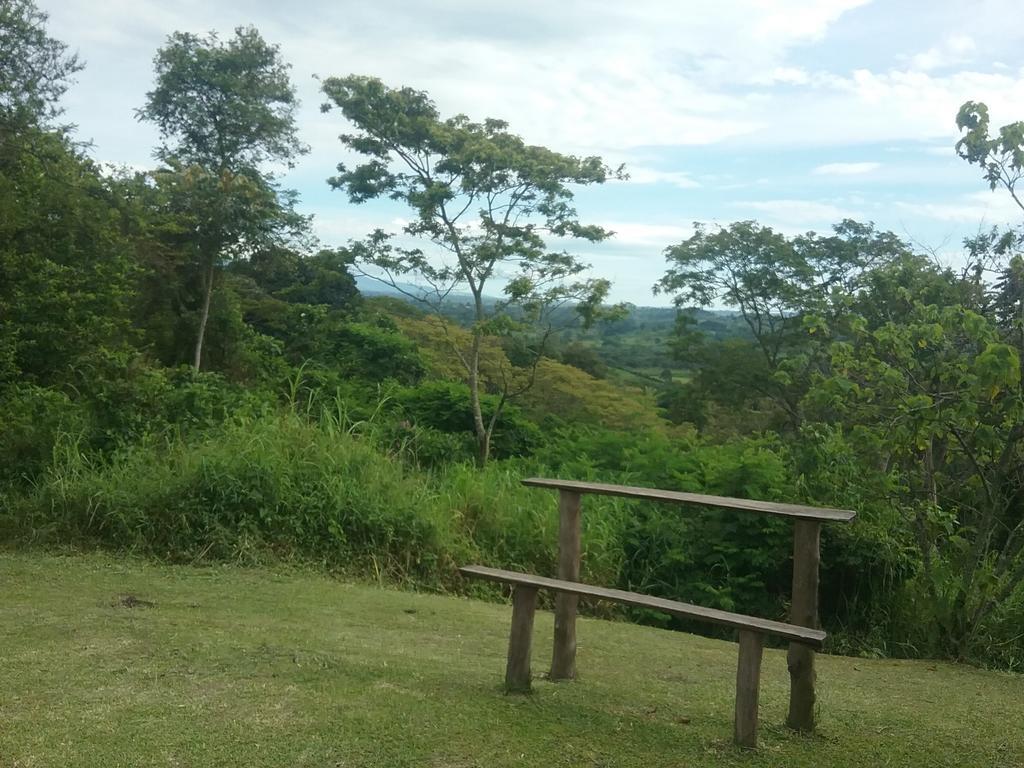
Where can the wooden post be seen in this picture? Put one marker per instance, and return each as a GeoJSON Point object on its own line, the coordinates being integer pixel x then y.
{"type": "Point", "coordinates": [748, 681]}
{"type": "Point", "coordinates": [804, 612]}
{"type": "Point", "coordinates": [563, 657]}
{"type": "Point", "coordinates": [520, 639]}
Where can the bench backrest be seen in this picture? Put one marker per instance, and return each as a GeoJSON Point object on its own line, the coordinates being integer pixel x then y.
{"type": "Point", "coordinates": [823, 514]}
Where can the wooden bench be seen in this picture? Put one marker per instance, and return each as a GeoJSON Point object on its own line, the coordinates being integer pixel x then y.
{"type": "Point", "coordinates": [803, 607]}
{"type": "Point", "coordinates": [752, 632]}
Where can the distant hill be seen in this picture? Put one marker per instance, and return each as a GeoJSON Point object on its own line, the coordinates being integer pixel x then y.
{"type": "Point", "coordinates": [645, 317]}
{"type": "Point", "coordinates": [638, 345]}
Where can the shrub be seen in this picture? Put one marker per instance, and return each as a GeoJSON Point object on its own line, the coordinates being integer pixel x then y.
{"type": "Point", "coordinates": [445, 406]}
{"type": "Point", "coordinates": [35, 419]}
{"type": "Point", "coordinates": [270, 485]}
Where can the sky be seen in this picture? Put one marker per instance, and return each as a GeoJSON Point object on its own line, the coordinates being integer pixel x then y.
{"type": "Point", "coordinates": [796, 113]}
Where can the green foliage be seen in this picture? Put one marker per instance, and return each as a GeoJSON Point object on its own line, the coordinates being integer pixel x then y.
{"type": "Point", "coordinates": [782, 288]}
{"type": "Point", "coordinates": [282, 486]}
{"type": "Point", "coordinates": [481, 196]}
{"type": "Point", "coordinates": [446, 407]}
{"type": "Point", "coordinates": [684, 404]}
{"type": "Point", "coordinates": [937, 397]}
{"type": "Point", "coordinates": [222, 105]}
{"type": "Point", "coordinates": [586, 358]}
{"type": "Point", "coordinates": [713, 557]}
{"type": "Point", "coordinates": [35, 422]}
{"type": "Point", "coordinates": [274, 484]}
{"type": "Point", "coordinates": [1000, 156]}
{"type": "Point", "coordinates": [223, 110]}
{"type": "Point", "coordinates": [367, 350]}
{"type": "Point", "coordinates": [322, 279]}
{"type": "Point", "coordinates": [35, 70]}
{"type": "Point", "coordinates": [65, 262]}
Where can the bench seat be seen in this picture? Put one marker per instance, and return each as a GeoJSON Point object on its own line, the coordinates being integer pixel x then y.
{"type": "Point", "coordinates": [812, 637]}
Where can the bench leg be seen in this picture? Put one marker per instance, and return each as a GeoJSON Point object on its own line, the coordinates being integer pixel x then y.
{"type": "Point", "coordinates": [748, 680]}
{"type": "Point", "coordinates": [800, 661]}
{"type": "Point", "coordinates": [804, 612]}
{"type": "Point", "coordinates": [563, 656]}
{"type": "Point", "coordinates": [517, 671]}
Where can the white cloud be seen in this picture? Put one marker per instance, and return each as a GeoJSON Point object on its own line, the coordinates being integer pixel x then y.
{"type": "Point", "coordinates": [634, 233]}
{"type": "Point", "coordinates": [642, 82]}
{"type": "Point", "coordinates": [845, 169]}
{"type": "Point", "coordinates": [785, 75]}
{"type": "Point", "coordinates": [580, 75]}
{"type": "Point", "coordinates": [955, 49]}
{"type": "Point", "coordinates": [795, 216]}
{"type": "Point", "coordinates": [642, 175]}
{"type": "Point", "coordinates": [869, 106]}
{"type": "Point", "coordinates": [986, 207]}
{"type": "Point", "coordinates": [941, 150]}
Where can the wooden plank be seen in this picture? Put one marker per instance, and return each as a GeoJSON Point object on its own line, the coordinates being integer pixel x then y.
{"type": "Point", "coordinates": [812, 637]}
{"type": "Point", "coordinates": [804, 612]}
{"type": "Point", "coordinates": [563, 656]}
{"type": "Point", "coordinates": [520, 639]}
{"type": "Point", "coordinates": [678, 497]}
{"type": "Point", "coordinates": [748, 681]}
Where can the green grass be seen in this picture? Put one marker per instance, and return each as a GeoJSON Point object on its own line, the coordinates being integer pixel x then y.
{"type": "Point", "coordinates": [241, 667]}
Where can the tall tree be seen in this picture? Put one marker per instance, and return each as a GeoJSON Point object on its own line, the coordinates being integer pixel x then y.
{"type": "Point", "coordinates": [927, 382]}
{"type": "Point", "coordinates": [64, 263]}
{"type": "Point", "coordinates": [225, 110]}
{"type": "Point", "coordinates": [1001, 157]}
{"type": "Point", "coordinates": [484, 203]}
{"type": "Point", "coordinates": [35, 69]}
{"type": "Point", "coordinates": [934, 400]}
{"type": "Point", "coordinates": [781, 287]}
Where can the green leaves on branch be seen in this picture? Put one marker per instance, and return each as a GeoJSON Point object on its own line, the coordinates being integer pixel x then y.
{"type": "Point", "coordinates": [223, 104]}
{"type": "Point", "coordinates": [482, 197]}
{"type": "Point", "coordinates": [223, 111]}
{"type": "Point", "coordinates": [789, 292]}
{"type": "Point", "coordinates": [35, 69]}
{"type": "Point", "coordinates": [1001, 156]}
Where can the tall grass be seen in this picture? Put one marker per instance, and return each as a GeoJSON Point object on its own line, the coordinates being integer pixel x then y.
{"type": "Point", "coordinates": [322, 490]}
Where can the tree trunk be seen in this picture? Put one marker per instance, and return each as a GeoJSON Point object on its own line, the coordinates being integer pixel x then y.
{"type": "Point", "coordinates": [483, 437]}
{"type": "Point", "coordinates": [197, 360]}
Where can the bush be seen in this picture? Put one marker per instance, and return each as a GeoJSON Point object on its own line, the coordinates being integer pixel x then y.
{"type": "Point", "coordinates": [35, 419]}
{"type": "Point", "coordinates": [284, 486]}
{"type": "Point", "coordinates": [272, 485]}
{"type": "Point", "coordinates": [445, 406]}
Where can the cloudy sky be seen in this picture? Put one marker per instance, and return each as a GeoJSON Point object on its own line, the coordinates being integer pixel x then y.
{"type": "Point", "coordinates": [796, 113]}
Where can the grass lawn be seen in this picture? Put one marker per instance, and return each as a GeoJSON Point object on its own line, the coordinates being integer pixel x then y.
{"type": "Point", "coordinates": [236, 667]}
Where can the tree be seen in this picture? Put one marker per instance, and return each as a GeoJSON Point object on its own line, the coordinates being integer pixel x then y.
{"type": "Point", "coordinates": [483, 202]}
{"type": "Point", "coordinates": [1002, 159]}
{"type": "Point", "coordinates": [224, 110]}
{"type": "Point", "coordinates": [65, 264]}
{"type": "Point", "coordinates": [35, 69]}
{"type": "Point", "coordinates": [586, 358]}
{"type": "Point", "coordinates": [783, 288]}
{"type": "Point", "coordinates": [64, 260]}
{"type": "Point", "coordinates": [1001, 156]}
{"type": "Point", "coordinates": [926, 381]}
{"type": "Point", "coordinates": [935, 401]}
